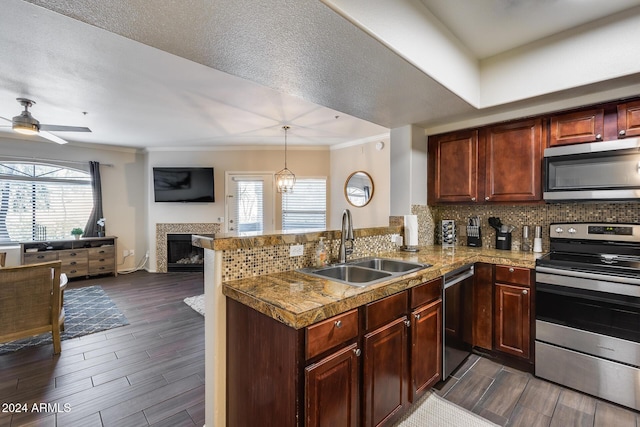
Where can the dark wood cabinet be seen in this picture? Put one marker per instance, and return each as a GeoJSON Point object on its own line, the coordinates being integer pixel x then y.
{"type": "Point", "coordinates": [483, 306]}
{"type": "Point", "coordinates": [454, 167]}
{"type": "Point", "coordinates": [385, 383]}
{"type": "Point", "coordinates": [577, 127]}
{"type": "Point", "coordinates": [629, 119]}
{"type": "Point", "coordinates": [426, 337]}
{"type": "Point", "coordinates": [512, 317]}
{"type": "Point", "coordinates": [513, 161]}
{"type": "Point", "coordinates": [495, 164]}
{"type": "Point", "coordinates": [426, 348]}
{"type": "Point", "coordinates": [331, 390]}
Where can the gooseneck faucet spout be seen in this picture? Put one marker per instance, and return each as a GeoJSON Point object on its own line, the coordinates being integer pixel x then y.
{"type": "Point", "coordinates": [346, 236]}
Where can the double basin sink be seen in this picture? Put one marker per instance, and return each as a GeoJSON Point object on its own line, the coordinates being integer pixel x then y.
{"type": "Point", "coordinates": [366, 271]}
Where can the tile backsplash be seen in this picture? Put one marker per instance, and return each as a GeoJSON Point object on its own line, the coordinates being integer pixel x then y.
{"type": "Point", "coordinates": [520, 215]}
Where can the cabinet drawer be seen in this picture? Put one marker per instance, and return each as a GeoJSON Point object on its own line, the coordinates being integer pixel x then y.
{"type": "Point", "coordinates": [387, 309]}
{"type": "Point", "coordinates": [517, 275]}
{"type": "Point", "coordinates": [35, 257]}
{"type": "Point", "coordinates": [331, 332]}
{"type": "Point", "coordinates": [426, 292]}
{"type": "Point", "coordinates": [71, 255]}
{"type": "Point", "coordinates": [101, 266]}
{"type": "Point", "coordinates": [102, 253]}
{"type": "Point", "coordinates": [75, 268]}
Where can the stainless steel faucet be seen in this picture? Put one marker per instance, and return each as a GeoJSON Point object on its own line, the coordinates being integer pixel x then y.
{"type": "Point", "coordinates": [346, 236]}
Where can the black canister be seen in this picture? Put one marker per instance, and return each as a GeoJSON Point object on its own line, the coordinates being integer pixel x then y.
{"type": "Point", "coordinates": [503, 240]}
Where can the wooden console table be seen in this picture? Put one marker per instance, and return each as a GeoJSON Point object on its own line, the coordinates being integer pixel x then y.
{"type": "Point", "coordinates": [86, 257]}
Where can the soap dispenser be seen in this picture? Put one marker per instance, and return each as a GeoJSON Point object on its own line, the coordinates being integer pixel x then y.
{"type": "Point", "coordinates": [321, 254]}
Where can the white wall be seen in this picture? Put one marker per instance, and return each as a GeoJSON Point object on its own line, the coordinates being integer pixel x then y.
{"type": "Point", "coordinates": [408, 173]}
{"type": "Point", "coordinates": [363, 157]}
{"type": "Point", "coordinates": [310, 162]}
{"type": "Point", "coordinates": [123, 190]}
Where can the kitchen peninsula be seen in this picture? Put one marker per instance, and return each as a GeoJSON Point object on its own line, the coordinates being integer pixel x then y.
{"type": "Point", "coordinates": [291, 302]}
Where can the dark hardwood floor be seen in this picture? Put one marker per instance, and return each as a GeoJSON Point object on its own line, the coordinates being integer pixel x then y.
{"type": "Point", "coordinates": [150, 372]}
{"type": "Point", "coordinates": [509, 397]}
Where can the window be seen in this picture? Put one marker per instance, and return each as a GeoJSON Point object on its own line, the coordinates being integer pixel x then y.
{"type": "Point", "coordinates": [306, 207]}
{"type": "Point", "coordinates": [42, 202]}
{"type": "Point", "coordinates": [249, 209]}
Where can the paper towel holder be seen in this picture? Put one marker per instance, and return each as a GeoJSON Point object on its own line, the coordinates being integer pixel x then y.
{"type": "Point", "coordinates": [410, 233]}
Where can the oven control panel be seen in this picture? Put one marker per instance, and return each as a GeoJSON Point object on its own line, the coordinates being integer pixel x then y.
{"type": "Point", "coordinates": [595, 231]}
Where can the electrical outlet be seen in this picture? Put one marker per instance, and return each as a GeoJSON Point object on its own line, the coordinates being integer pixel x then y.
{"type": "Point", "coordinates": [132, 252]}
{"type": "Point", "coordinates": [296, 250]}
{"type": "Point", "coordinates": [125, 253]}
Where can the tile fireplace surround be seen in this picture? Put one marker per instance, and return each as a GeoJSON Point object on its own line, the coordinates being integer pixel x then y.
{"type": "Point", "coordinates": [183, 228]}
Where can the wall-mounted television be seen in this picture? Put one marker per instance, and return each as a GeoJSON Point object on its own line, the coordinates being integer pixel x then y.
{"type": "Point", "coordinates": [183, 185]}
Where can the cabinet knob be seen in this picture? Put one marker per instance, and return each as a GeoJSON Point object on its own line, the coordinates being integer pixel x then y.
{"type": "Point", "coordinates": [511, 270]}
{"type": "Point", "coordinates": [473, 199]}
{"type": "Point", "coordinates": [407, 323]}
{"type": "Point", "coordinates": [622, 132]}
{"type": "Point", "coordinates": [598, 137]}
{"type": "Point", "coordinates": [486, 198]}
{"type": "Point", "coordinates": [524, 292]}
{"type": "Point", "coordinates": [357, 351]}
{"type": "Point", "coordinates": [338, 324]}
{"type": "Point", "coordinates": [417, 316]}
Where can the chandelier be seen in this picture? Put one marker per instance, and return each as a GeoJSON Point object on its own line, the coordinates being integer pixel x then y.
{"type": "Point", "coordinates": [285, 179]}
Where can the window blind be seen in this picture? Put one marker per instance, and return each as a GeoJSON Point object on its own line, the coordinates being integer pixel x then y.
{"type": "Point", "coordinates": [306, 207]}
{"type": "Point", "coordinates": [40, 202]}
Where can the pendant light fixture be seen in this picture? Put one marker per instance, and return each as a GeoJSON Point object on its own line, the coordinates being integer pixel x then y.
{"type": "Point", "coordinates": [285, 179]}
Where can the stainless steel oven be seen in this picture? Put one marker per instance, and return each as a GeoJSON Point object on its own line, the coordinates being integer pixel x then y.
{"type": "Point", "coordinates": [588, 310]}
{"type": "Point", "coordinates": [597, 171]}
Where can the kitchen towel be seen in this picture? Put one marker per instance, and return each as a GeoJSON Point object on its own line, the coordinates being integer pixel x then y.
{"type": "Point", "coordinates": [411, 230]}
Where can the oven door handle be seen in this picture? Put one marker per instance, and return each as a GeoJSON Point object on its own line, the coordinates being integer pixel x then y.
{"type": "Point", "coordinates": [588, 284]}
{"type": "Point", "coordinates": [587, 275]}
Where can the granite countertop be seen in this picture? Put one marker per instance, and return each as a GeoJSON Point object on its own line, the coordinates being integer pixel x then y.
{"type": "Point", "coordinates": [299, 300]}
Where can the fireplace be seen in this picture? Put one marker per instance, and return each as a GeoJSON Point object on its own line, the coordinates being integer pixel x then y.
{"type": "Point", "coordinates": [181, 255]}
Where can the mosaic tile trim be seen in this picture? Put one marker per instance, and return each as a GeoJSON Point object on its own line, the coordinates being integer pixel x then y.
{"type": "Point", "coordinates": [184, 228]}
{"type": "Point", "coordinates": [532, 215]}
{"type": "Point", "coordinates": [255, 261]}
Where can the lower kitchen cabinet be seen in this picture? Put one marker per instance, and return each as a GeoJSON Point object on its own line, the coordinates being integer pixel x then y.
{"type": "Point", "coordinates": [361, 367]}
{"type": "Point", "coordinates": [512, 318]}
{"type": "Point", "coordinates": [331, 390]}
{"type": "Point", "coordinates": [426, 348]}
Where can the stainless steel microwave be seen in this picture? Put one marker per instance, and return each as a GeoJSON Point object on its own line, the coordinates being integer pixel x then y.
{"type": "Point", "coordinates": [595, 171]}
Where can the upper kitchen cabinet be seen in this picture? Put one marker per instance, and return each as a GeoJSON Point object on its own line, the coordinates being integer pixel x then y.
{"type": "Point", "coordinates": [453, 167]}
{"type": "Point", "coordinates": [577, 127]}
{"type": "Point", "coordinates": [629, 119]}
{"type": "Point", "coordinates": [501, 163]}
{"type": "Point", "coordinates": [513, 161]}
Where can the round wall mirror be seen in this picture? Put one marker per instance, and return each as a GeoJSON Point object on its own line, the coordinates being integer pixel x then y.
{"type": "Point", "coordinates": [359, 188]}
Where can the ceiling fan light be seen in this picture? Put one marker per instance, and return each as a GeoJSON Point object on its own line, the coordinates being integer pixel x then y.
{"type": "Point", "coordinates": [26, 128]}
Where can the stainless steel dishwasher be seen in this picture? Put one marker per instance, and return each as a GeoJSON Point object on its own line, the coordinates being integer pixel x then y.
{"type": "Point", "coordinates": [457, 334]}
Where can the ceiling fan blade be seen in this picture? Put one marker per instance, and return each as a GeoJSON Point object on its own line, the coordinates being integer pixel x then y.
{"type": "Point", "coordinates": [52, 137]}
{"type": "Point", "coordinates": [9, 120]}
{"type": "Point", "coordinates": [58, 128]}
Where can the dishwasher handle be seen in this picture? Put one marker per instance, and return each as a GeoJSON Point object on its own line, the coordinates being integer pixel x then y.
{"type": "Point", "coordinates": [458, 277]}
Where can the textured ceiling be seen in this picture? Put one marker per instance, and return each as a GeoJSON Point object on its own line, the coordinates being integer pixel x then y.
{"type": "Point", "coordinates": [221, 72]}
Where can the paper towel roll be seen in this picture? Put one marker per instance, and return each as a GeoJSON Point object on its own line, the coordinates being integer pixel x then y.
{"type": "Point", "coordinates": [411, 230]}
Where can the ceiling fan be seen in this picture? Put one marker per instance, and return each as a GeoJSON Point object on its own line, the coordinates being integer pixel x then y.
{"type": "Point", "coordinates": [26, 124]}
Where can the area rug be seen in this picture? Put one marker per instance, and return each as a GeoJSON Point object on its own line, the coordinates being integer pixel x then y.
{"type": "Point", "coordinates": [433, 410]}
{"type": "Point", "coordinates": [87, 311]}
{"type": "Point", "coordinates": [196, 303]}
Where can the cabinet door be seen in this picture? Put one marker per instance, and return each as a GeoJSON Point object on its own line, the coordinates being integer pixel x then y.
{"type": "Point", "coordinates": [512, 319]}
{"type": "Point", "coordinates": [629, 119]}
{"type": "Point", "coordinates": [331, 390]}
{"type": "Point", "coordinates": [426, 348]}
{"type": "Point", "coordinates": [385, 382]}
{"type": "Point", "coordinates": [573, 128]}
{"type": "Point", "coordinates": [514, 162]}
{"type": "Point", "coordinates": [454, 166]}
